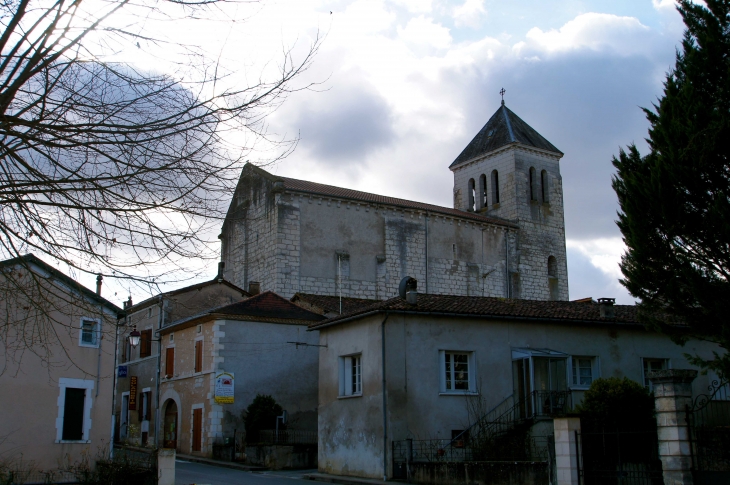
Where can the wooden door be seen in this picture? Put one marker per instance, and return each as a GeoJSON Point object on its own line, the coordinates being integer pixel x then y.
{"type": "Point", "coordinates": [197, 429]}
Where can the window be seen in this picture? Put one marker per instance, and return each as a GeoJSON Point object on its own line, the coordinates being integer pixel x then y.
{"type": "Point", "coordinates": [89, 335]}
{"type": "Point", "coordinates": [198, 356]}
{"type": "Point", "coordinates": [145, 343]}
{"type": "Point", "coordinates": [149, 312]}
{"type": "Point", "coordinates": [169, 362]}
{"type": "Point", "coordinates": [552, 266]}
{"type": "Point", "coordinates": [457, 372]}
{"type": "Point", "coordinates": [650, 365]}
{"type": "Point", "coordinates": [74, 410]}
{"type": "Point", "coordinates": [544, 186]}
{"type": "Point", "coordinates": [495, 187]}
{"type": "Point", "coordinates": [172, 337]}
{"type": "Point", "coordinates": [582, 371]}
{"type": "Point", "coordinates": [145, 407]}
{"type": "Point", "coordinates": [351, 375]}
{"type": "Point", "coordinates": [533, 184]}
{"type": "Point", "coordinates": [483, 202]}
{"type": "Point", "coordinates": [472, 192]}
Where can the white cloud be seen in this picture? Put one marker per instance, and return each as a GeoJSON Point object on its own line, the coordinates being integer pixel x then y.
{"type": "Point", "coordinates": [424, 31]}
{"type": "Point", "coordinates": [591, 31]}
{"type": "Point", "coordinates": [663, 4]}
{"type": "Point", "coordinates": [470, 14]}
{"type": "Point", "coordinates": [603, 253]}
{"type": "Point", "coordinates": [416, 6]}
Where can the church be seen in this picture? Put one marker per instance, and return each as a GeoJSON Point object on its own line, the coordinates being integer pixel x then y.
{"type": "Point", "coordinates": [503, 237]}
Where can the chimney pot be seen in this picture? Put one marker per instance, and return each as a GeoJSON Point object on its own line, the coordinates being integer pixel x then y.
{"type": "Point", "coordinates": [99, 277]}
{"type": "Point", "coordinates": [254, 288]}
{"type": "Point", "coordinates": [221, 265]}
{"type": "Point", "coordinates": [412, 297]}
{"type": "Point", "coordinates": [606, 308]}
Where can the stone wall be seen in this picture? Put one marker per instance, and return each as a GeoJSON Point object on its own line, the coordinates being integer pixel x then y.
{"type": "Point", "coordinates": [480, 473]}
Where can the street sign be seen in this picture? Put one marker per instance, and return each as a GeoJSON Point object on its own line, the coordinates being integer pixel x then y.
{"type": "Point", "coordinates": [122, 371]}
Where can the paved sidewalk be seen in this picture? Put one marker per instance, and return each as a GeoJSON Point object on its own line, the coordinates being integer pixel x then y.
{"type": "Point", "coordinates": [223, 464]}
{"type": "Point", "coordinates": [342, 480]}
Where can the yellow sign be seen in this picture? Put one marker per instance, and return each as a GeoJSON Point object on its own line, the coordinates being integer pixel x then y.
{"type": "Point", "coordinates": [224, 388]}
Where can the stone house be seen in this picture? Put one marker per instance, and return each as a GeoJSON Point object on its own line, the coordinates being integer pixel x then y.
{"type": "Point", "coordinates": [261, 344]}
{"type": "Point", "coordinates": [56, 394]}
{"type": "Point", "coordinates": [504, 236]}
{"type": "Point", "coordinates": [136, 407]}
{"type": "Point", "coordinates": [395, 370]}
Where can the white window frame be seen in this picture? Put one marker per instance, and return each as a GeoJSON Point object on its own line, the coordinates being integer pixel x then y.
{"type": "Point", "coordinates": [96, 332]}
{"type": "Point", "coordinates": [348, 388]}
{"type": "Point", "coordinates": [575, 377]}
{"type": "Point", "coordinates": [471, 363]}
{"type": "Point", "coordinates": [88, 385]}
{"type": "Point", "coordinates": [644, 380]}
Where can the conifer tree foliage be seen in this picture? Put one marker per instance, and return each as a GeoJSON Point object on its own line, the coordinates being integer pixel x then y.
{"type": "Point", "coordinates": [675, 201]}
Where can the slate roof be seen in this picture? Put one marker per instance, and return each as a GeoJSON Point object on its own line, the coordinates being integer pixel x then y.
{"type": "Point", "coordinates": [307, 187]}
{"type": "Point", "coordinates": [331, 304]}
{"type": "Point", "coordinates": [28, 259]}
{"type": "Point", "coordinates": [503, 128]}
{"type": "Point", "coordinates": [495, 308]}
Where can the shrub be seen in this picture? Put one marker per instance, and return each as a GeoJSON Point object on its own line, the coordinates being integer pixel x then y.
{"type": "Point", "coordinates": [617, 403]}
{"type": "Point", "coordinates": [261, 414]}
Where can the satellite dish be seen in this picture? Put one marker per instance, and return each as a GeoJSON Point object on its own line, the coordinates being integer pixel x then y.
{"type": "Point", "coordinates": [407, 284]}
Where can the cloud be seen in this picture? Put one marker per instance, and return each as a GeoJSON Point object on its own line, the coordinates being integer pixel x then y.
{"type": "Point", "coordinates": [469, 14]}
{"type": "Point", "coordinates": [592, 31]}
{"type": "Point", "coordinates": [664, 4]}
{"type": "Point", "coordinates": [416, 6]}
{"type": "Point", "coordinates": [593, 270]}
{"type": "Point", "coordinates": [422, 31]}
{"type": "Point", "coordinates": [346, 124]}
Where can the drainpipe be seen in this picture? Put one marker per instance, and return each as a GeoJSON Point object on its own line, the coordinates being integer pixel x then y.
{"type": "Point", "coordinates": [100, 334]}
{"type": "Point", "coordinates": [157, 383]}
{"type": "Point", "coordinates": [426, 252]}
{"type": "Point", "coordinates": [385, 404]}
{"type": "Point", "coordinates": [506, 264]}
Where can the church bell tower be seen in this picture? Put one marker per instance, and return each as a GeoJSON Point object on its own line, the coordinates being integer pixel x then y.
{"type": "Point", "coordinates": [512, 172]}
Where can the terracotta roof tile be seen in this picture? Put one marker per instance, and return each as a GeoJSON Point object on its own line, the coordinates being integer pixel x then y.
{"type": "Point", "coordinates": [305, 186]}
{"type": "Point", "coordinates": [269, 305]}
{"type": "Point", "coordinates": [331, 304]}
{"type": "Point", "coordinates": [491, 307]}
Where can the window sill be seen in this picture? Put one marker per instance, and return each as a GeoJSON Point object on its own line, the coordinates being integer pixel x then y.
{"type": "Point", "coordinates": [89, 346]}
{"type": "Point", "coordinates": [349, 397]}
{"type": "Point", "coordinates": [579, 388]}
{"type": "Point", "coordinates": [79, 442]}
{"type": "Point", "coordinates": [457, 393]}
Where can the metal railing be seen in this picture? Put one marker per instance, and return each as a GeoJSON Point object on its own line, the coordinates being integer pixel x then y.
{"type": "Point", "coordinates": [287, 437]}
{"type": "Point", "coordinates": [525, 448]}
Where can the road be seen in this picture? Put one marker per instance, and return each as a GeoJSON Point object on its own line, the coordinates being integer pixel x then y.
{"type": "Point", "coordinates": [187, 473]}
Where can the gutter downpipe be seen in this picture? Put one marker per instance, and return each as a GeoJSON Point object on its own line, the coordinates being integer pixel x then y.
{"type": "Point", "coordinates": [506, 264]}
{"type": "Point", "coordinates": [385, 404]}
{"type": "Point", "coordinates": [426, 252]}
{"type": "Point", "coordinates": [114, 387]}
{"type": "Point", "coordinates": [157, 383]}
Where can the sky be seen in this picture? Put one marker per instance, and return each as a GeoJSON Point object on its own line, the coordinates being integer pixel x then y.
{"type": "Point", "coordinates": [402, 86]}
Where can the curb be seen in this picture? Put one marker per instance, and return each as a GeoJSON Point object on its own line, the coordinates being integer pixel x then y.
{"type": "Point", "coordinates": [323, 477]}
{"type": "Point", "coordinates": [221, 464]}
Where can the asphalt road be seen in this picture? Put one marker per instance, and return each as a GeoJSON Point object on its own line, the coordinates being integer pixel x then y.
{"type": "Point", "coordinates": [188, 473]}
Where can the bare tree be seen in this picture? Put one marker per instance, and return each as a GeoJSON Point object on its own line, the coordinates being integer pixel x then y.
{"type": "Point", "coordinates": [109, 168]}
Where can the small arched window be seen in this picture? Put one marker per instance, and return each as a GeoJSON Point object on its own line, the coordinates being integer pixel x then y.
{"type": "Point", "coordinates": [472, 195]}
{"type": "Point", "coordinates": [483, 202]}
{"type": "Point", "coordinates": [552, 267]}
{"type": "Point", "coordinates": [544, 186]}
{"type": "Point", "coordinates": [495, 187]}
{"type": "Point", "coordinates": [533, 184]}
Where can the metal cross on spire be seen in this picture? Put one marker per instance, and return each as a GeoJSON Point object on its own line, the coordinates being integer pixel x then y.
{"type": "Point", "coordinates": [502, 91]}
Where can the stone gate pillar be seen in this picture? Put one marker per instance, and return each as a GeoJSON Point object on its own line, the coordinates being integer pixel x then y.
{"type": "Point", "coordinates": [672, 394]}
{"type": "Point", "coordinates": [566, 453]}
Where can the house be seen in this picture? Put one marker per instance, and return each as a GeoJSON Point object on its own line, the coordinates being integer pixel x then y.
{"type": "Point", "coordinates": [135, 399]}
{"type": "Point", "coordinates": [429, 369]}
{"type": "Point", "coordinates": [216, 362]}
{"type": "Point", "coordinates": [504, 235]}
{"type": "Point", "coordinates": [56, 367]}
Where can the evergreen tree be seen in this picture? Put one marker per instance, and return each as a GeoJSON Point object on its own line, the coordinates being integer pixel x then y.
{"type": "Point", "coordinates": [675, 201]}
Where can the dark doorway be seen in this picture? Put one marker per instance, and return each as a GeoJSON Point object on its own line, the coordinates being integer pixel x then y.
{"type": "Point", "coordinates": [170, 429]}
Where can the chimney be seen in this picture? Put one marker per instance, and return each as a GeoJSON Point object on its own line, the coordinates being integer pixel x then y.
{"type": "Point", "coordinates": [221, 265]}
{"type": "Point", "coordinates": [128, 303]}
{"type": "Point", "coordinates": [606, 307]}
{"type": "Point", "coordinates": [99, 277]}
{"type": "Point", "coordinates": [254, 288]}
{"type": "Point", "coordinates": [408, 289]}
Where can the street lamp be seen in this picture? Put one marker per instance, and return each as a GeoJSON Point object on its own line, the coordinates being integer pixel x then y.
{"type": "Point", "coordinates": [134, 337]}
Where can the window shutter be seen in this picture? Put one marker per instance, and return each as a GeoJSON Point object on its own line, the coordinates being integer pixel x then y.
{"type": "Point", "coordinates": [348, 376]}
{"type": "Point", "coordinates": [170, 361]}
{"type": "Point", "coordinates": [198, 356]}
